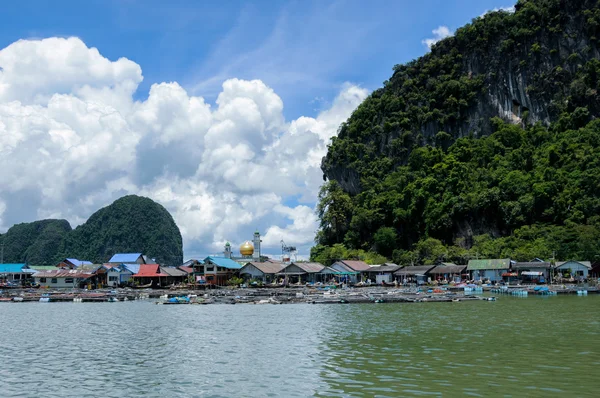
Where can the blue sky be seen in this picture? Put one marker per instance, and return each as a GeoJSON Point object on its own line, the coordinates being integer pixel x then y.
{"type": "Point", "coordinates": [229, 123]}
{"type": "Point", "coordinates": [304, 50]}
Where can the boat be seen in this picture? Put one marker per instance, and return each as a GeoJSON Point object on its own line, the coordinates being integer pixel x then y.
{"type": "Point", "coordinates": [149, 285]}
{"type": "Point", "coordinates": [178, 300]}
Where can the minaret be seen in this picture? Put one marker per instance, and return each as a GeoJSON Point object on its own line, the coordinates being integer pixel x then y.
{"type": "Point", "coordinates": [227, 251]}
{"type": "Point", "coordinates": [256, 242]}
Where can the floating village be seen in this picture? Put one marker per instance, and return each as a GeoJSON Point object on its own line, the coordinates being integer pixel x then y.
{"type": "Point", "coordinates": [257, 279]}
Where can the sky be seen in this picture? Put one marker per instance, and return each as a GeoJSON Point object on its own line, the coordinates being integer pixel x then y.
{"type": "Point", "coordinates": [219, 110]}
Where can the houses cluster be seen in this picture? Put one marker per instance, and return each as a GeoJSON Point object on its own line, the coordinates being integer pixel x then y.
{"type": "Point", "coordinates": [123, 269]}
{"type": "Point", "coordinates": [137, 270]}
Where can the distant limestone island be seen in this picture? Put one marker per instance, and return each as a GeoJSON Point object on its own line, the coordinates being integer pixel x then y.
{"type": "Point", "coordinates": [131, 224]}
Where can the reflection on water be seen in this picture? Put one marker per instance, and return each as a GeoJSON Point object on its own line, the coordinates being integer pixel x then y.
{"type": "Point", "coordinates": [512, 347]}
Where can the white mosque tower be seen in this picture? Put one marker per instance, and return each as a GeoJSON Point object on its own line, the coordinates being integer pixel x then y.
{"type": "Point", "coordinates": [227, 252]}
{"type": "Point", "coordinates": [256, 241]}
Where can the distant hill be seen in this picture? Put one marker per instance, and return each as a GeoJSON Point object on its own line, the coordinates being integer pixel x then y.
{"type": "Point", "coordinates": [131, 224]}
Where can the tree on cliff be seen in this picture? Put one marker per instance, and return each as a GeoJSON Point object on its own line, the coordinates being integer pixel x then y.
{"type": "Point", "coordinates": [488, 144]}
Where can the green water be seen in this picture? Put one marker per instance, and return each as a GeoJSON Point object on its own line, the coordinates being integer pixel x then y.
{"type": "Point", "coordinates": [535, 346]}
{"type": "Point", "coordinates": [513, 347]}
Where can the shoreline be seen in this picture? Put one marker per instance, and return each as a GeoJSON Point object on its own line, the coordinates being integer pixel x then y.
{"type": "Point", "coordinates": [289, 295]}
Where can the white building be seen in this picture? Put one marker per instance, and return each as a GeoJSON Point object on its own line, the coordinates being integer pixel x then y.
{"type": "Point", "coordinates": [62, 278]}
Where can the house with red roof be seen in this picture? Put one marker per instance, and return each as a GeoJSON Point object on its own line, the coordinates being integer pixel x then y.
{"type": "Point", "coordinates": [150, 274]}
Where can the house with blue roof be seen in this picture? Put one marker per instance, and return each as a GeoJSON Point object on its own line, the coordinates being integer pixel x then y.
{"type": "Point", "coordinates": [118, 275]}
{"type": "Point", "coordinates": [133, 268]}
{"type": "Point", "coordinates": [217, 270]}
{"type": "Point", "coordinates": [127, 258]}
{"type": "Point", "coordinates": [15, 272]}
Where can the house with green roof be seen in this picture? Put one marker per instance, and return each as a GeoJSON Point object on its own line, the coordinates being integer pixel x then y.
{"type": "Point", "coordinates": [488, 269]}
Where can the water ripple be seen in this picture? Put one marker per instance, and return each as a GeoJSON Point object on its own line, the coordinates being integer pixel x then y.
{"type": "Point", "coordinates": [507, 348]}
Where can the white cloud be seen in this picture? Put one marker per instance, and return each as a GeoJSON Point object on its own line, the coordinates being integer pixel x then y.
{"type": "Point", "coordinates": [73, 139]}
{"type": "Point", "coordinates": [440, 33]}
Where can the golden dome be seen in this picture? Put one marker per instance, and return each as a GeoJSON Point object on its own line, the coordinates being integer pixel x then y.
{"type": "Point", "coordinates": [246, 249]}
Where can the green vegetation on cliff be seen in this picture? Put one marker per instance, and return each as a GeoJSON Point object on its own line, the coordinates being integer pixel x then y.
{"type": "Point", "coordinates": [130, 224]}
{"type": "Point", "coordinates": [487, 146]}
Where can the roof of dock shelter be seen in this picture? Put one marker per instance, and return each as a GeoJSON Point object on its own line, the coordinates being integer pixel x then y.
{"type": "Point", "coordinates": [414, 270]}
{"type": "Point", "coordinates": [266, 267]}
{"type": "Point", "coordinates": [503, 263]}
{"type": "Point", "coordinates": [384, 268]}
{"type": "Point", "coordinates": [356, 265]}
{"type": "Point", "coordinates": [310, 268]}
{"type": "Point", "coordinates": [448, 269]}
{"type": "Point", "coordinates": [586, 264]}
{"type": "Point", "coordinates": [306, 268]}
{"type": "Point", "coordinates": [532, 264]}
{"type": "Point", "coordinates": [171, 271]}
{"type": "Point", "coordinates": [64, 273]}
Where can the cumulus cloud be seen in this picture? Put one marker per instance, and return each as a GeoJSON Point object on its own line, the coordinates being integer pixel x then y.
{"type": "Point", "coordinates": [73, 139]}
{"type": "Point", "coordinates": [440, 33]}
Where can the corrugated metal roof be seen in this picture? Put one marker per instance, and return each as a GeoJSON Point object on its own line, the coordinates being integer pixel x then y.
{"type": "Point", "coordinates": [503, 263]}
{"type": "Point", "coordinates": [191, 262]}
{"type": "Point", "coordinates": [448, 269]}
{"type": "Point", "coordinates": [43, 267]}
{"type": "Point", "coordinates": [149, 271]}
{"type": "Point", "coordinates": [414, 270]}
{"type": "Point", "coordinates": [586, 264]}
{"type": "Point", "coordinates": [223, 262]}
{"type": "Point", "coordinates": [134, 268]}
{"type": "Point", "coordinates": [171, 271]}
{"type": "Point", "coordinates": [12, 268]}
{"type": "Point", "coordinates": [187, 270]}
{"type": "Point", "coordinates": [356, 265]}
{"type": "Point", "coordinates": [125, 258]}
{"type": "Point", "coordinates": [77, 262]}
{"type": "Point", "coordinates": [91, 268]}
{"type": "Point", "coordinates": [532, 264]}
{"type": "Point", "coordinates": [310, 268]}
{"type": "Point", "coordinates": [383, 268]}
{"type": "Point", "coordinates": [64, 273]}
{"type": "Point", "coordinates": [265, 268]}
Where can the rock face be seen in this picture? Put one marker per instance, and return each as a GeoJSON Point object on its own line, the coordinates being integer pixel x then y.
{"type": "Point", "coordinates": [130, 224]}
{"type": "Point", "coordinates": [523, 68]}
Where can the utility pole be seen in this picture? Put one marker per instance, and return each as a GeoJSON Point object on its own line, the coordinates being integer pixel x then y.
{"type": "Point", "coordinates": [2, 253]}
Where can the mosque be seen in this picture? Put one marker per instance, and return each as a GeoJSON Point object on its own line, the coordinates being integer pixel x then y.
{"type": "Point", "coordinates": [249, 251]}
